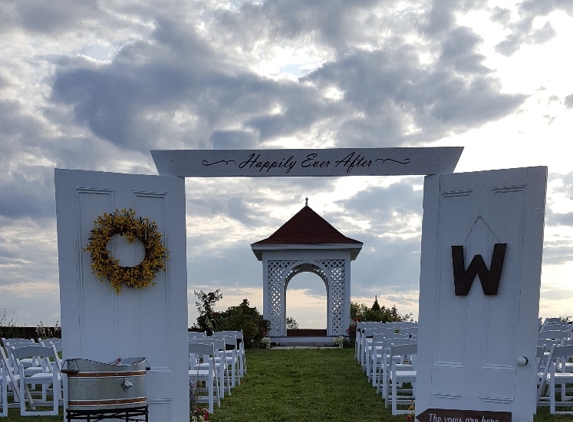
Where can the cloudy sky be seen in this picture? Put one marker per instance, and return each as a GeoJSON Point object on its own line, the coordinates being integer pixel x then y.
{"type": "Point", "coordinates": [96, 85]}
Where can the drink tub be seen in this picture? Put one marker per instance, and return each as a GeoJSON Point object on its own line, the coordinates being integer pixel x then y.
{"type": "Point", "coordinates": [94, 386]}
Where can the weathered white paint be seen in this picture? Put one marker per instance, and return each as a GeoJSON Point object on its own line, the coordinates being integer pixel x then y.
{"type": "Point", "coordinates": [307, 162]}
{"type": "Point", "coordinates": [469, 346]}
{"type": "Point", "coordinates": [101, 325]}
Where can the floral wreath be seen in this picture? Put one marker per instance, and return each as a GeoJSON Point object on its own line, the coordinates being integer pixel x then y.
{"type": "Point", "coordinates": [125, 223]}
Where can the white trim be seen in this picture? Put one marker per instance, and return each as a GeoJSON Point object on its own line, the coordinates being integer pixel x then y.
{"type": "Point", "coordinates": [353, 248]}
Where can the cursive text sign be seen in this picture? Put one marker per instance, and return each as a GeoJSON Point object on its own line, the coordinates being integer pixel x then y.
{"type": "Point", "coordinates": [454, 415]}
{"type": "Point", "coordinates": [306, 163]}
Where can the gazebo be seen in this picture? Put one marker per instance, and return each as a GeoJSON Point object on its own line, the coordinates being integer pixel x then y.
{"type": "Point", "coordinates": [307, 243]}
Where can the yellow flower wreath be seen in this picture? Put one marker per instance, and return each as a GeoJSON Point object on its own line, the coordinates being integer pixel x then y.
{"type": "Point", "coordinates": [125, 223]}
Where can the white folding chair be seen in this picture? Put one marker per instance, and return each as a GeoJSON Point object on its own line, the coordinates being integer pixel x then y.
{"type": "Point", "coordinates": [221, 367]}
{"type": "Point", "coordinates": [383, 385]}
{"type": "Point", "coordinates": [555, 324]}
{"type": "Point", "coordinates": [3, 388]}
{"type": "Point", "coordinates": [193, 335]}
{"type": "Point", "coordinates": [56, 342]}
{"type": "Point", "coordinates": [358, 341]}
{"type": "Point", "coordinates": [203, 371]}
{"type": "Point", "coordinates": [241, 355]}
{"type": "Point", "coordinates": [12, 378]}
{"type": "Point", "coordinates": [409, 330]}
{"type": "Point", "coordinates": [231, 356]}
{"type": "Point", "coordinates": [48, 376]}
{"type": "Point", "coordinates": [32, 364]}
{"type": "Point", "coordinates": [367, 335]}
{"type": "Point", "coordinates": [11, 343]}
{"type": "Point", "coordinates": [559, 334]}
{"type": "Point", "coordinates": [555, 375]}
{"type": "Point", "coordinates": [374, 357]}
{"type": "Point", "coordinates": [371, 339]}
{"type": "Point", "coordinates": [403, 373]}
{"type": "Point", "coordinates": [376, 352]}
{"type": "Point", "coordinates": [553, 320]}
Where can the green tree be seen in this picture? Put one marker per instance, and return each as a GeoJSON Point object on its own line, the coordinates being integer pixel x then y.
{"type": "Point", "coordinates": [291, 323]}
{"type": "Point", "coordinates": [375, 305]}
{"type": "Point", "coordinates": [358, 311]}
{"type": "Point", "coordinates": [208, 319]}
{"type": "Point", "coordinates": [361, 312]}
{"type": "Point", "coordinates": [246, 318]}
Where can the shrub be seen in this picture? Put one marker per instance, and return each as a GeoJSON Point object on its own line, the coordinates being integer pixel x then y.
{"type": "Point", "coordinates": [361, 312]}
{"type": "Point", "coordinates": [44, 332]}
{"type": "Point", "coordinates": [291, 323]}
{"type": "Point", "coordinates": [9, 328]}
{"type": "Point", "coordinates": [246, 318]}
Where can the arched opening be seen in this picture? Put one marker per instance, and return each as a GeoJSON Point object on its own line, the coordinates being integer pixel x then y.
{"type": "Point", "coordinates": [305, 293]}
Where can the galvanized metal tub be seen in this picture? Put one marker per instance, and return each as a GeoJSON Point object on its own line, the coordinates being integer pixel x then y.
{"type": "Point", "coordinates": [94, 386]}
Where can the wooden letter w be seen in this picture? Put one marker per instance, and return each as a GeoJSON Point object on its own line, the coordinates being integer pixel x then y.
{"type": "Point", "coordinates": [463, 278]}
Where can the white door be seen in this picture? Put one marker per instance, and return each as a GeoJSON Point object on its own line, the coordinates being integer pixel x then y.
{"type": "Point", "coordinates": [470, 342]}
{"type": "Point", "coordinates": [101, 325]}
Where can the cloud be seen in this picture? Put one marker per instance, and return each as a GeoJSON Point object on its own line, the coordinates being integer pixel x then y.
{"type": "Point", "coordinates": [135, 100]}
{"type": "Point", "coordinates": [154, 88]}
{"type": "Point", "coordinates": [28, 191]}
{"type": "Point", "coordinates": [95, 86]}
{"type": "Point", "coordinates": [556, 252]}
{"type": "Point", "coordinates": [389, 91]}
{"type": "Point", "coordinates": [329, 22]}
{"type": "Point", "coordinates": [47, 17]}
{"type": "Point", "coordinates": [521, 30]}
{"type": "Point", "coordinates": [233, 139]}
{"type": "Point", "coordinates": [459, 52]}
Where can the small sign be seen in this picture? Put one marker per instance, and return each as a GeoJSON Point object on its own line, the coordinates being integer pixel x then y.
{"type": "Point", "coordinates": [456, 415]}
{"type": "Point", "coordinates": [307, 162]}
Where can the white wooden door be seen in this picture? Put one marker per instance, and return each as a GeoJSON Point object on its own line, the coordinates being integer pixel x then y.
{"type": "Point", "coordinates": [101, 325]}
{"type": "Point", "coordinates": [469, 345]}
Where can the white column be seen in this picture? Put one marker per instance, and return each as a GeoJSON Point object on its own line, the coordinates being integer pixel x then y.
{"type": "Point", "coordinates": [347, 292]}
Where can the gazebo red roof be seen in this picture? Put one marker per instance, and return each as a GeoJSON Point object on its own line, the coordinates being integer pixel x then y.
{"type": "Point", "coordinates": [306, 227]}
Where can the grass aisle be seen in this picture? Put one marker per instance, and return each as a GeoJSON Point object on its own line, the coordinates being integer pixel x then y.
{"type": "Point", "coordinates": [303, 385]}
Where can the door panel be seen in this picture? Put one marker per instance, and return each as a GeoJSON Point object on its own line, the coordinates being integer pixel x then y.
{"type": "Point", "coordinates": [101, 325]}
{"type": "Point", "coordinates": [469, 345]}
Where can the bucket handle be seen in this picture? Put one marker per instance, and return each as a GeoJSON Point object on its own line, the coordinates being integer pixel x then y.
{"type": "Point", "coordinates": [70, 371]}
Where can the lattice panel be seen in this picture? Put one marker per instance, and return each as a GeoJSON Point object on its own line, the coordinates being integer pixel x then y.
{"type": "Point", "coordinates": [277, 273]}
{"type": "Point", "coordinates": [336, 269]}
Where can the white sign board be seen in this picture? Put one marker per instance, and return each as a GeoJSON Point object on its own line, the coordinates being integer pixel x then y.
{"type": "Point", "coordinates": [306, 163]}
{"type": "Point", "coordinates": [482, 242]}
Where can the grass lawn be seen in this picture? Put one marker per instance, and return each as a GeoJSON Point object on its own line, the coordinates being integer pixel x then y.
{"type": "Point", "coordinates": [301, 385]}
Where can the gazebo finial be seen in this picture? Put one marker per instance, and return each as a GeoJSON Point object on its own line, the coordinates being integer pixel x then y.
{"type": "Point", "coordinates": [306, 201]}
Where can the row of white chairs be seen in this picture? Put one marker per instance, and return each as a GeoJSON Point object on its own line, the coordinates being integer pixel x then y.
{"type": "Point", "coordinates": [554, 329]}
{"type": "Point", "coordinates": [555, 365]}
{"type": "Point", "coordinates": [24, 365]}
{"type": "Point", "coordinates": [217, 363]}
{"type": "Point", "coordinates": [555, 374]}
{"type": "Point", "coordinates": [387, 354]}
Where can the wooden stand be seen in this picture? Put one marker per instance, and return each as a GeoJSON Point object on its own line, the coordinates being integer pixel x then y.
{"type": "Point", "coordinates": [130, 414]}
